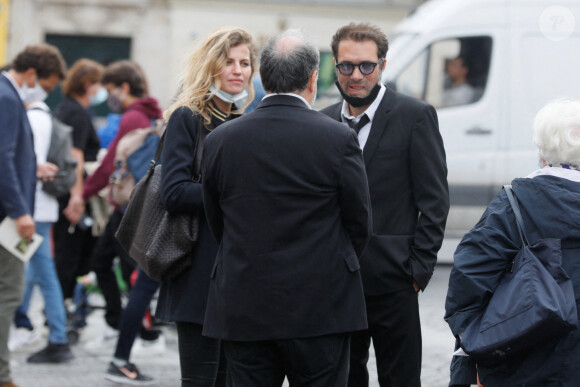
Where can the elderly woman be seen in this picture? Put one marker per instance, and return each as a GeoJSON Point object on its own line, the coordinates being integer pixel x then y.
{"type": "Point", "coordinates": [549, 200]}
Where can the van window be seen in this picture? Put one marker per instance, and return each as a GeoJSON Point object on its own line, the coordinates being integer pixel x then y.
{"type": "Point", "coordinates": [449, 72]}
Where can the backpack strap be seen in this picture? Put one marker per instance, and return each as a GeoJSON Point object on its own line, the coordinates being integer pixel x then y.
{"type": "Point", "coordinates": [516, 208]}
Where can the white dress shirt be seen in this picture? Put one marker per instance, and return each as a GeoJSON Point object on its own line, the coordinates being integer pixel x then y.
{"type": "Point", "coordinates": [363, 134]}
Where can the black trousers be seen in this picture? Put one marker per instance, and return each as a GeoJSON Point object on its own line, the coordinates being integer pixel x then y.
{"type": "Point", "coordinates": [106, 249]}
{"type": "Point", "coordinates": [309, 362]}
{"type": "Point", "coordinates": [395, 329]}
{"type": "Point", "coordinates": [72, 251]}
{"type": "Point", "coordinates": [201, 358]}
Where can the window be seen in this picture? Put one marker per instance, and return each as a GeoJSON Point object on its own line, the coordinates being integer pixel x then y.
{"type": "Point", "coordinates": [449, 72]}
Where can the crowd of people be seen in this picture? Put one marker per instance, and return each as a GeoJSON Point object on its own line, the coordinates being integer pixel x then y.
{"type": "Point", "coordinates": [317, 229]}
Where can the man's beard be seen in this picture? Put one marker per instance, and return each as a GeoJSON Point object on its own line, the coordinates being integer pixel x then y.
{"type": "Point", "coordinates": [359, 101]}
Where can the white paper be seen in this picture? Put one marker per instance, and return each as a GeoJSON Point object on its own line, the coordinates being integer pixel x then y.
{"type": "Point", "coordinates": [14, 243]}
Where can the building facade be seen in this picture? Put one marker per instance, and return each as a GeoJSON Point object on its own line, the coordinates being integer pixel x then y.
{"type": "Point", "coordinates": [159, 34]}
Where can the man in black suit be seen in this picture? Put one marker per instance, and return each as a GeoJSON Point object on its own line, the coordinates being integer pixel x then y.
{"type": "Point", "coordinates": [286, 196]}
{"type": "Point", "coordinates": [407, 174]}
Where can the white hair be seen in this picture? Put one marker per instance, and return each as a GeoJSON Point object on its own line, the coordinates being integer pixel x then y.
{"type": "Point", "coordinates": [557, 132]}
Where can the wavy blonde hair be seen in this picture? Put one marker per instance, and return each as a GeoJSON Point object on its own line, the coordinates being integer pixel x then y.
{"type": "Point", "coordinates": [204, 67]}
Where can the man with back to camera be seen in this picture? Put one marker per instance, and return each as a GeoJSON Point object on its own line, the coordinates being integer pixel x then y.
{"type": "Point", "coordinates": [407, 175]}
{"type": "Point", "coordinates": [286, 196]}
{"type": "Point", "coordinates": [35, 70]}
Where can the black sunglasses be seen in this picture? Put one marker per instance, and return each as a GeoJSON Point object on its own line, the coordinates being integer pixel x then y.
{"type": "Point", "coordinates": [365, 68]}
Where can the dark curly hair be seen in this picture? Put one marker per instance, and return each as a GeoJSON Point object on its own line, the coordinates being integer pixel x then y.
{"type": "Point", "coordinates": [46, 59]}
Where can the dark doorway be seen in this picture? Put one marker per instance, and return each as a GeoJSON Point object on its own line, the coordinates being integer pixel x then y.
{"type": "Point", "coordinates": [101, 49]}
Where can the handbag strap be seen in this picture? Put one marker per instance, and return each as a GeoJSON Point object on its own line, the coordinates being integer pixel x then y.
{"type": "Point", "coordinates": [198, 153]}
{"type": "Point", "coordinates": [516, 208]}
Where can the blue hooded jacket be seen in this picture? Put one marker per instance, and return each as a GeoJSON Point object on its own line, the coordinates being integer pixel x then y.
{"type": "Point", "coordinates": [550, 207]}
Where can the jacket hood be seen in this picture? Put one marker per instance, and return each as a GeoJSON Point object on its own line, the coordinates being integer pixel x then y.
{"type": "Point", "coordinates": [148, 106]}
{"type": "Point", "coordinates": [551, 204]}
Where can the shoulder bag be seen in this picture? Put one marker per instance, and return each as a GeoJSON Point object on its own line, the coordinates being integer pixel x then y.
{"type": "Point", "coordinates": [534, 302]}
{"type": "Point", "coordinates": [161, 243]}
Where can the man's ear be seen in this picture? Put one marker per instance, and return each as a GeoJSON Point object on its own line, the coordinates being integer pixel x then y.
{"type": "Point", "coordinates": [29, 77]}
{"type": "Point", "coordinates": [312, 81]}
{"type": "Point", "coordinates": [384, 64]}
{"type": "Point", "coordinates": [126, 88]}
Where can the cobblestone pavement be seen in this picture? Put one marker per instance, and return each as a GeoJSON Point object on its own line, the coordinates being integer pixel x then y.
{"type": "Point", "coordinates": [90, 363]}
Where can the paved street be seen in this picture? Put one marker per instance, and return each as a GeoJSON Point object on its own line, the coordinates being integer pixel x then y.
{"type": "Point", "coordinates": [90, 364]}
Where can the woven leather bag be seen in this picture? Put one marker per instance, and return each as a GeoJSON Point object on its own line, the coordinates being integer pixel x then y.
{"type": "Point", "coordinates": [534, 302]}
{"type": "Point", "coordinates": [161, 243]}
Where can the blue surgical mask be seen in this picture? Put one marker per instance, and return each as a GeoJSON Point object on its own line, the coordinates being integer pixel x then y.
{"type": "Point", "coordinates": [227, 97]}
{"type": "Point", "coordinates": [32, 94]}
{"type": "Point", "coordinates": [99, 97]}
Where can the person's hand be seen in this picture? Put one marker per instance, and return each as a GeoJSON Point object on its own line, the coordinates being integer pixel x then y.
{"type": "Point", "coordinates": [415, 286]}
{"type": "Point", "coordinates": [25, 226]}
{"type": "Point", "coordinates": [45, 172]}
{"type": "Point", "coordinates": [75, 209]}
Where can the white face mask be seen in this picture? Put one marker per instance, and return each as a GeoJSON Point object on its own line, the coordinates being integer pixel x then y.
{"type": "Point", "coordinates": [227, 97]}
{"type": "Point", "coordinates": [99, 97]}
{"type": "Point", "coordinates": [31, 94]}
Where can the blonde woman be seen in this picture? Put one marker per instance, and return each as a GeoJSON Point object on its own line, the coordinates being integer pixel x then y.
{"type": "Point", "coordinates": [216, 87]}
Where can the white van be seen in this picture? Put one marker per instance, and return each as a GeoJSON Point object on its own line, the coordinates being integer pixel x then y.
{"type": "Point", "coordinates": [520, 55]}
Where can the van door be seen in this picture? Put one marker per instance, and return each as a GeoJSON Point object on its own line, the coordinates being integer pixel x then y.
{"type": "Point", "coordinates": [470, 113]}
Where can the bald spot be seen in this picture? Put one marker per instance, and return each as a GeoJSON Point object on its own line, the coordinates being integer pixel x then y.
{"type": "Point", "coordinates": [287, 44]}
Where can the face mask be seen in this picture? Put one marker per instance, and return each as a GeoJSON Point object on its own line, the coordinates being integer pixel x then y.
{"type": "Point", "coordinates": [359, 102]}
{"type": "Point", "coordinates": [31, 94]}
{"type": "Point", "coordinates": [99, 97]}
{"type": "Point", "coordinates": [227, 97]}
{"type": "Point", "coordinates": [114, 103]}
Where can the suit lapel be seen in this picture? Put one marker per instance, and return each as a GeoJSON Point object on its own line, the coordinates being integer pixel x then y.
{"type": "Point", "coordinates": [336, 112]}
{"type": "Point", "coordinates": [379, 125]}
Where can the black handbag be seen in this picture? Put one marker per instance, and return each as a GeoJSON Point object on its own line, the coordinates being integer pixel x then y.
{"type": "Point", "coordinates": [533, 302]}
{"type": "Point", "coordinates": [161, 243]}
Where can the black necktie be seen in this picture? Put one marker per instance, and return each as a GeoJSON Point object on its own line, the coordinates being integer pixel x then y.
{"type": "Point", "coordinates": [362, 122]}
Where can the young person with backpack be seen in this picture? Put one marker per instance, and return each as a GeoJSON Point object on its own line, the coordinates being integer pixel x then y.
{"type": "Point", "coordinates": [128, 94]}
{"type": "Point", "coordinates": [41, 270]}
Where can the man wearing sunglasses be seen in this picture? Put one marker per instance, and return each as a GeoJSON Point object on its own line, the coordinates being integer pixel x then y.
{"type": "Point", "coordinates": [407, 175]}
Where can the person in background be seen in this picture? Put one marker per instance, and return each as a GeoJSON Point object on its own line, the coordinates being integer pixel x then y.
{"type": "Point", "coordinates": [407, 175]}
{"type": "Point", "coordinates": [459, 92]}
{"type": "Point", "coordinates": [286, 197]}
{"type": "Point", "coordinates": [41, 269]}
{"type": "Point", "coordinates": [216, 81]}
{"type": "Point", "coordinates": [73, 241]}
{"type": "Point", "coordinates": [128, 93]}
{"type": "Point", "coordinates": [549, 200]}
{"type": "Point", "coordinates": [35, 69]}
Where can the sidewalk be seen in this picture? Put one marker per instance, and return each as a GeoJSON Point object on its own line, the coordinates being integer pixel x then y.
{"type": "Point", "coordinates": [89, 366]}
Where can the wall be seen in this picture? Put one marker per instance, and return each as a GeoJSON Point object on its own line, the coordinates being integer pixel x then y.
{"type": "Point", "coordinates": [163, 32]}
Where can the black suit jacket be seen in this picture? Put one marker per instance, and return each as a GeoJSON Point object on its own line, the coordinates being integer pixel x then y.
{"type": "Point", "coordinates": [407, 174]}
{"type": "Point", "coordinates": [286, 196]}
